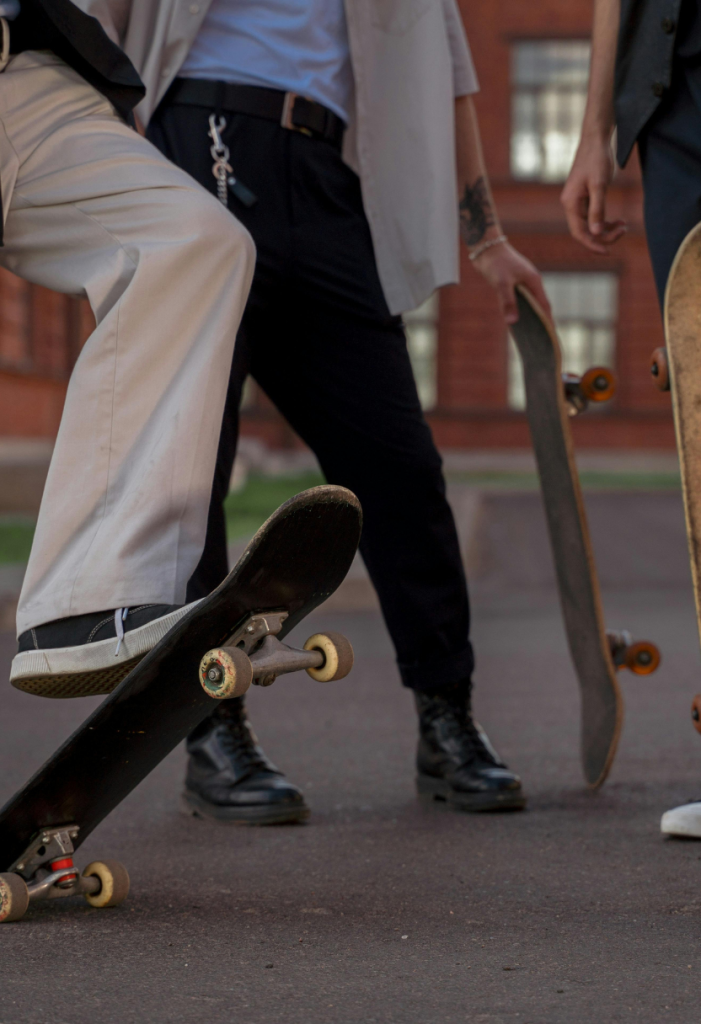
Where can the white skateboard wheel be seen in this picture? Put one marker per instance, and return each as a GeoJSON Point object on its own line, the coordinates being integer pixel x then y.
{"type": "Point", "coordinates": [114, 883]}
{"type": "Point", "coordinates": [338, 656]}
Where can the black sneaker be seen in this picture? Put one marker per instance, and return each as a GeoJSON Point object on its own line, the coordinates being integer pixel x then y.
{"type": "Point", "coordinates": [456, 762]}
{"type": "Point", "coordinates": [229, 778]}
{"type": "Point", "coordinates": [84, 655]}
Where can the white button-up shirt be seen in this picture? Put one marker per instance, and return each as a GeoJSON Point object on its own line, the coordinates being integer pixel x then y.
{"type": "Point", "coordinates": [410, 60]}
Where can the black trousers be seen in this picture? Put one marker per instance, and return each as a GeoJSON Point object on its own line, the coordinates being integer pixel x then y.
{"type": "Point", "coordinates": [318, 338]}
{"type": "Point", "coordinates": [670, 156]}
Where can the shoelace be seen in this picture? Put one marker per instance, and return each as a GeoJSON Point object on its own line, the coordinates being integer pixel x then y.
{"type": "Point", "coordinates": [462, 727]}
{"type": "Point", "coordinates": [479, 746]}
{"type": "Point", "coordinates": [120, 615]}
{"type": "Point", "coordinates": [239, 741]}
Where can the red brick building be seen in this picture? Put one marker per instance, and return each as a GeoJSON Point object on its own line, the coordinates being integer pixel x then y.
{"type": "Point", "coordinates": [472, 408]}
{"type": "Point", "coordinates": [532, 61]}
{"type": "Point", "coordinates": [41, 334]}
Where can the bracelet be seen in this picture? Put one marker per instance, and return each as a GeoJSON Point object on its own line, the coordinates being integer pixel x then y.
{"type": "Point", "coordinates": [487, 245]}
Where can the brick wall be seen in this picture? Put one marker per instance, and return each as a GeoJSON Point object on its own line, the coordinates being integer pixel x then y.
{"type": "Point", "coordinates": [472, 358]}
{"type": "Point", "coordinates": [41, 334]}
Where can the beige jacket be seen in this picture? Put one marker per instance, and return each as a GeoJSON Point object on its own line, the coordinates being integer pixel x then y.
{"type": "Point", "coordinates": [410, 59]}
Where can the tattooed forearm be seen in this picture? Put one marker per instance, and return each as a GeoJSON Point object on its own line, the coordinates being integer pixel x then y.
{"type": "Point", "coordinates": [476, 214]}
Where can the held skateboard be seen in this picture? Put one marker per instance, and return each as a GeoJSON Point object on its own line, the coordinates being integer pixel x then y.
{"type": "Point", "coordinates": [551, 399]}
{"type": "Point", "coordinates": [229, 639]}
{"type": "Point", "coordinates": [677, 368]}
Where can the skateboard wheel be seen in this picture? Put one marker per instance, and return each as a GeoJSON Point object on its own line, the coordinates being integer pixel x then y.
{"type": "Point", "coordinates": [14, 897]}
{"type": "Point", "coordinates": [642, 658]}
{"type": "Point", "coordinates": [598, 384]}
{"type": "Point", "coordinates": [226, 672]}
{"type": "Point", "coordinates": [114, 883]}
{"type": "Point", "coordinates": [696, 712]}
{"type": "Point", "coordinates": [659, 368]}
{"type": "Point", "coordinates": [338, 655]}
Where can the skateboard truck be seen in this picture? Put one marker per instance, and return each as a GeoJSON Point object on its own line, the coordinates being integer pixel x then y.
{"type": "Point", "coordinates": [46, 871]}
{"type": "Point", "coordinates": [254, 655]}
{"type": "Point", "coordinates": [642, 657]}
{"type": "Point", "coordinates": [598, 384]}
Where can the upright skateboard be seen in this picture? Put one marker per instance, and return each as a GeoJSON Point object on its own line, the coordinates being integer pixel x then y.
{"type": "Point", "coordinates": [551, 399]}
{"type": "Point", "coordinates": [678, 369]}
{"type": "Point", "coordinates": [228, 640]}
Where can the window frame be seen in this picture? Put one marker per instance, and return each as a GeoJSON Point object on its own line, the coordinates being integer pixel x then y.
{"type": "Point", "coordinates": [513, 40]}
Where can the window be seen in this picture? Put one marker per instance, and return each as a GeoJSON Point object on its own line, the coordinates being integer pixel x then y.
{"type": "Point", "coordinates": [422, 338]}
{"type": "Point", "coordinates": [584, 307]}
{"type": "Point", "coordinates": [549, 80]}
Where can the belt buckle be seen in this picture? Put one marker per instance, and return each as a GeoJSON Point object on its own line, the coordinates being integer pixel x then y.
{"type": "Point", "coordinates": [288, 107]}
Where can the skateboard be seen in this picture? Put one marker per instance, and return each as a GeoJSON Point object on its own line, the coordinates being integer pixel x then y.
{"type": "Point", "coordinates": [230, 639]}
{"type": "Point", "coordinates": [677, 368]}
{"type": "Point", "coordinates": [551, 399]}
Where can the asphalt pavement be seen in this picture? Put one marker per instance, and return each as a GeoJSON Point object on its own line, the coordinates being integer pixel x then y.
{"type": "Point", "coordinates": [384, 909]}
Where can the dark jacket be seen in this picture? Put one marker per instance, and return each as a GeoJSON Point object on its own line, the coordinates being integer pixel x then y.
{"type": "Point", "coordinates": [647, 41]}
{"type": "Point", "coordinates": [80, 40]}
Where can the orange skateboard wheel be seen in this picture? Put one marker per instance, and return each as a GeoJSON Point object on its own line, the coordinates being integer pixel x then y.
{"type": "Point", "coordinates": [696, 712]}
{"type": "Point", "coordinates": [598, 384]}
{"type": "Point", "coordinates": [643, 657]}
{"type": "Point", "coordinates": [659, 368]}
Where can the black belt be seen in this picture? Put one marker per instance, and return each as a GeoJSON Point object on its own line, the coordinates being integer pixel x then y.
{"type": "Point", "coordinates": [289, 109]}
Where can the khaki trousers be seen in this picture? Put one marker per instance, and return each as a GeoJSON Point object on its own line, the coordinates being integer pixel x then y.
{"type": "Point", "coordinates": [93, 209]}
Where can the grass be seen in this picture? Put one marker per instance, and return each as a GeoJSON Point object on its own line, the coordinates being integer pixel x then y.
{"type": "Point", "coordinates": [248, 508]}
{"type": "Point", "coordinates": [245, 512]}
{"type": "Point", "coordinates": [15, 540]}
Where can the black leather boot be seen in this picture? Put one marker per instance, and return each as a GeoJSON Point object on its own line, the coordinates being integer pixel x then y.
{"type": "Point", "coordinates": [456, 762]}
{"type": "Point", "coordinates": [230, 778]}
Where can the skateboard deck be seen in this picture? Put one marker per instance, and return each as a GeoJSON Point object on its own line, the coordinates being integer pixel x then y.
{"type": "Point", "coordinates": [681, 374]}
{"type": "Point", "coordinates": [550, 401]}
{"type": "Point", "coordinates": [295, 561]}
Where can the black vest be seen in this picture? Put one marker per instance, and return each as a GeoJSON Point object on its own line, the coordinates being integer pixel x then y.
{"type": "Point", "coordinates": [652, 34]}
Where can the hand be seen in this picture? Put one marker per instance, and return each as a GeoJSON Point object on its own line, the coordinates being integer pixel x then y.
{"type": "Point", "coordinates": [504, 268]}
{"type": "Point", "coordinates": [584, 196]}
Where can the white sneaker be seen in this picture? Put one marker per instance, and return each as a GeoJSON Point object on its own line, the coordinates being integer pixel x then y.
{"type": "Point", "coordinates": [683, 821]}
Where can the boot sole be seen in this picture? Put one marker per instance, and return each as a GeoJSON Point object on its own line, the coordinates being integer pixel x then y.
{"type": "Point", "coordinates": [441, 791]}
{"type": "Point", "coordinates": [195, 807]}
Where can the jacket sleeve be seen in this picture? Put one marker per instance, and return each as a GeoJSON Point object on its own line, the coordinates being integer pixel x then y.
{"type": "Point", "coordinates": [113, 15]}
{"type": "Point", "coordinates": [464, 75]}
